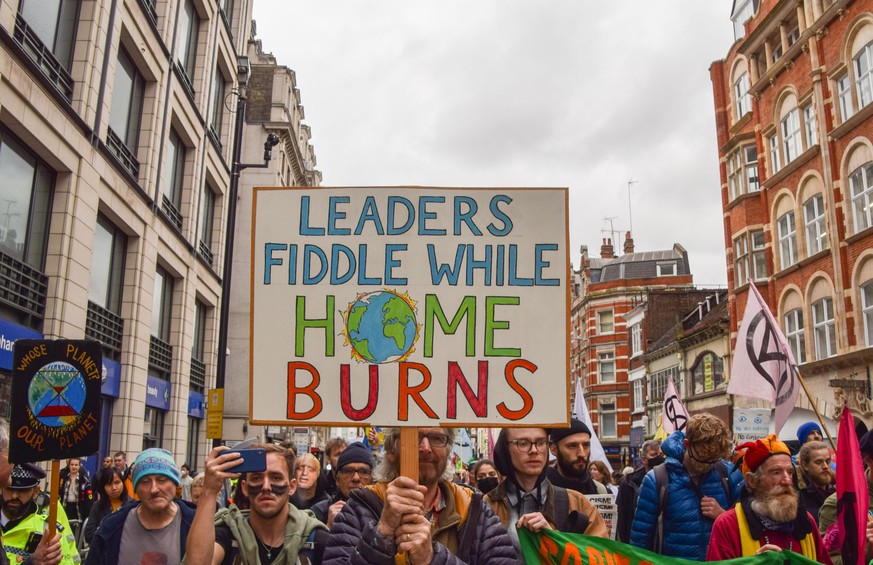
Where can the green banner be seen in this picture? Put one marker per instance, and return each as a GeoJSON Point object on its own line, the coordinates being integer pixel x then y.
{"type": "Point", "coordinates": [550, 547]}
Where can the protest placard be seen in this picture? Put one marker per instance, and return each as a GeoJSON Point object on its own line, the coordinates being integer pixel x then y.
{"type": "Point", "coordinates": [605, 504]}
{"type": "Point", "coordinates": [410, 306]}
{"type": "Point", "coordinates": [55, 399]}
{"type": "Point", "coordinates": [751, 424]}
{"type": "Point", "coordinates": [56, 386]}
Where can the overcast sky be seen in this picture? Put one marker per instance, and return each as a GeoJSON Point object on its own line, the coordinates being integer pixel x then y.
{"type": "Point", "coordinates": [522, 93]}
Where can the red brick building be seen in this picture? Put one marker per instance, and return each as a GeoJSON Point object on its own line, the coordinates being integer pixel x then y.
{"type": "Point", "coordinates": [605, 290]}
{"type": "Point", "coordinates": [795, 138]}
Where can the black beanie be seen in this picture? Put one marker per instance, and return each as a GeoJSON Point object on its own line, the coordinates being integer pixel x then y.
{"type": "Point", "coordinates": [576, 427]}
{"type": "Point", "coordinates": [355, 453]}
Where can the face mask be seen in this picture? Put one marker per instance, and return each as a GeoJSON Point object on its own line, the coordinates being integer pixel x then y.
{"type": "Point", "coordinates": [487, 484]}
{"type": "Point", "coordinates": [655, 461]}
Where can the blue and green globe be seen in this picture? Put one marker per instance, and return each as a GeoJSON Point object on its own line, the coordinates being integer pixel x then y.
{"type": "Point", "coordinates": [57, 394]}
{"type": "Point", "coordinates": [381, 326]}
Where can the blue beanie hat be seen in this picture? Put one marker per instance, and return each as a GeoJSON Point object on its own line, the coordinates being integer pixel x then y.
{"type": "Point", "coordinates": [154, 461]}
{"type": "Point", "coordinates": [804, 430]}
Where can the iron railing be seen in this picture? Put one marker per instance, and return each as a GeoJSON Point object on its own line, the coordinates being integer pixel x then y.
{"type": "Point", "coordinates": [161, 356]}
{"type": "Point", "coordinates": [104, 326]}
{"type": "Point", "coordinates": [22, 286]}
{"type": "Point", "coordinates": [44, 58]}
{"type": "Point", "coordinates": [124, 155]}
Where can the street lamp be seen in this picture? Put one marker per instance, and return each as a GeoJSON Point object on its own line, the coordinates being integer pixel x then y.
{"type": "Point", "coordinates": [227, 272]}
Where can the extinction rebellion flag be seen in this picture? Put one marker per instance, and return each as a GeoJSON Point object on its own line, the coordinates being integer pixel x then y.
{"type": "Point", "coordinates": [675, 415]}
{"type": "Point", "coordinates": [550, 547]}
{"type": "Point", "coordinates": [763, 364]}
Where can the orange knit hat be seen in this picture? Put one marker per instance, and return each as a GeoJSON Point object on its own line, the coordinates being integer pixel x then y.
{"type": "Point", "coordinates": [759, 451]}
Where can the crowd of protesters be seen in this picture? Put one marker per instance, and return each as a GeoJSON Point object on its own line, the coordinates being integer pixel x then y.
{"type": "Point", "coordinates": [695, 496]}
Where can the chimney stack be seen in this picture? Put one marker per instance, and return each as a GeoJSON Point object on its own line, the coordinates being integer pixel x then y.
{"type": "Point", "coordinates": [628, 243]}
{"type": "Point", "coordinates": [606, 251]}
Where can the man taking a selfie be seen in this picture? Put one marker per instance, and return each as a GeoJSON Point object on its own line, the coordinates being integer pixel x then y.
{"type": "Point", "coordinates": [271, 528]}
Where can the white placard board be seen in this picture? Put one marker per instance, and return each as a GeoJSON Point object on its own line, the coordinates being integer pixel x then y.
{"type": "Point", "coordinates": [751, 424]}
{"type": "Point", "coordinates": [605, 504]}
{"type": "Point", "coordinates": [410, 306]}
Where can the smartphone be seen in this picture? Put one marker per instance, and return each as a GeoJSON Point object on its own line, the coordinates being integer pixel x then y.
{"type": "Point", "coordinates": [32, 542]}
{"type": "Point", "coordinates": [255, 460]}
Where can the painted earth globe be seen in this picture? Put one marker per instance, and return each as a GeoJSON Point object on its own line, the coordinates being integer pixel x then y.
{"type": "Point", "coordinates": [381, 326]}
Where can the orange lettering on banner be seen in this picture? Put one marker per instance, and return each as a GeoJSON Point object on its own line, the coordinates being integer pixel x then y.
{"type": "Point", "coordinates": [509, 374]}
{"type": "Point", "coordinates": [405, 391]}
{"type": "Point", "coordinates": [308, 390]}
{"type": "Point", "coordinates": [594, 556]}
{"type": "Point", "coordinates": [619, 559]}
{"type": "Point", "coordinates": [571, 550]}
{"type": "Point", "coordinates": [548, 548]}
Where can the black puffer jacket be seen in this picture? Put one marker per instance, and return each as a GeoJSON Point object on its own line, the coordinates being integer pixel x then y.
{"type": "Point", "coordinates": [354, 530]}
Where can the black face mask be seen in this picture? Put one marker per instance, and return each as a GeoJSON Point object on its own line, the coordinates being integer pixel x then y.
{"type": "Point", "coordinates": [487, 484]}
{"type": "Point", "coordinates": [655, 461]}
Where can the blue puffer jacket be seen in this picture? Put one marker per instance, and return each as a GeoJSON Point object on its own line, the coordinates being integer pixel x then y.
{"type": "Point", "coordinates": [686, 529]}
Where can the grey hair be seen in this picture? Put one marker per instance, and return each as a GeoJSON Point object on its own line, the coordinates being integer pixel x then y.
{"type": "Point", "coordinates": [650, 445]}
{"type": "Point", "coordinates": [4, 436]}
{"type": "Point", "coordinates": [387, 470]}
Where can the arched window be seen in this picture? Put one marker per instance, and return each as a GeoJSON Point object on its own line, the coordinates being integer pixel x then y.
{"type": "Point", "coordinates": [707, 374]}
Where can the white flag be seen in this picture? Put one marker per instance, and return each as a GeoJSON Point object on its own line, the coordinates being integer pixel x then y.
{"type": "Point", "coordinates": [763, 364]}
{"type": "Point", "coordinates": [580, 412]}
{"type": "Point", "coordinates": [674, 415]}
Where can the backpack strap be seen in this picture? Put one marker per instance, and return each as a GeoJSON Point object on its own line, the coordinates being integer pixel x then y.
{"type": "Point", "coordinates": [725, 482]}
{"type": "Point", "coordinates": [662, 488]}
{"type": "Point", "coordinates": [562, 509]}
{"type": "Point", "coordinates": [466, 542]}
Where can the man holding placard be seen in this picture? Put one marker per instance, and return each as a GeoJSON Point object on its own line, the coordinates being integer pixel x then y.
{"type": "Point", "coordinates": [430, 521]}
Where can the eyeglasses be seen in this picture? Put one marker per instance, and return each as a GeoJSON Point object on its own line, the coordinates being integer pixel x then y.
{"type": "Point", "coordinates": [712, 461]}
{"type": "Point", "coordinates": [435, 440]}
{"type": "Point", "coordinates": [348, 473]}
{"type": "Point", "coordinates": [526, 444]}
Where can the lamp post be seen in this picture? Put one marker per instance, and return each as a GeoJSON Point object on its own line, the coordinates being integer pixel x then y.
{"type": "Point", "coordinates": [233, 196]}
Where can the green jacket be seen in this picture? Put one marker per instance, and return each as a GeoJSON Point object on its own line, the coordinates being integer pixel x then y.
{"type": "Point", "coordinates": [300, 525]}
{"type": "Point", "coordinates": [827, 516]}
{"type": "Point", "coordinates": [15, 539]}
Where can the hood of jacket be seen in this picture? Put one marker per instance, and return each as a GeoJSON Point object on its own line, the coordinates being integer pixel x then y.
{"type": "Point", "coordinates": [674, 448]}
{"type": "Point", "coordinates": [503, 460]}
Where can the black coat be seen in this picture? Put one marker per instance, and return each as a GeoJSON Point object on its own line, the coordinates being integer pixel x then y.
{"type": "Point", "coordinates": [85, 496]}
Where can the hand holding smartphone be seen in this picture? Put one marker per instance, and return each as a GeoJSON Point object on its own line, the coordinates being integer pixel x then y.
{"type": "Point", "coordinates": [254, 460]}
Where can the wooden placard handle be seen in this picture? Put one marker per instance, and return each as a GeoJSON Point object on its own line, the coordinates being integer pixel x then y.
{"type": "Point", "coordinates": [53, 499]}
{"type": "Point", "coordinates": [409, 452]}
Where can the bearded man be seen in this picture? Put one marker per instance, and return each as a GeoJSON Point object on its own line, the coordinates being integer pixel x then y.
{"type": "Point", "coordinates": [431, 520]}
{"type": "Point", "coordinates": [815, 478]}
{"type": "Point", "coordinates": [771, 517]}
{"type": "Point", "coordinates": [572, 450]}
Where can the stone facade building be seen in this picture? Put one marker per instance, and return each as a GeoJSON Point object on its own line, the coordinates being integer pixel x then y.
{"type": "Point", "coordinates": [115, 154]}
